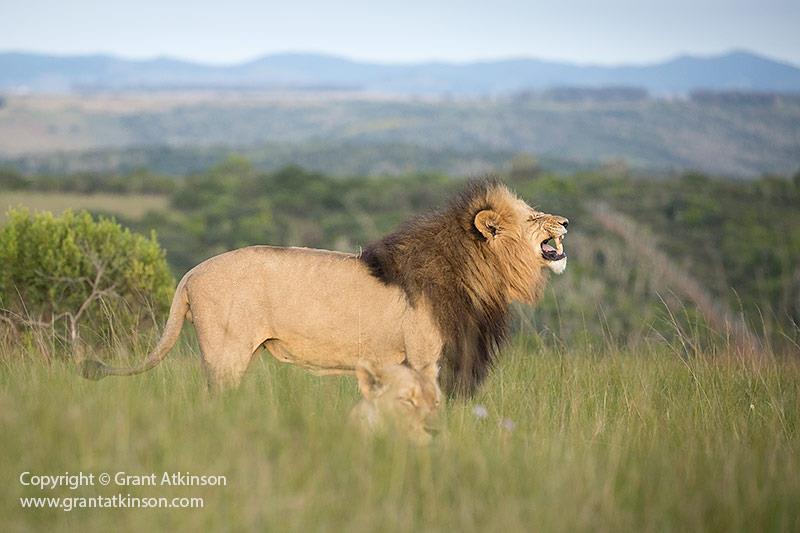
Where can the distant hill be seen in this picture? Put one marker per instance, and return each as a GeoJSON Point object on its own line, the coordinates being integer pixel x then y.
{"type": "Point", "coordinates": [738, 70]}
{"type": "Point", "coordinates": [731, 133]}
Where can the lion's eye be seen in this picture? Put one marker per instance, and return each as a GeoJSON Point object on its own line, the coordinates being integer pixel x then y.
{"type": "Point", "coordinates": [409, 401]}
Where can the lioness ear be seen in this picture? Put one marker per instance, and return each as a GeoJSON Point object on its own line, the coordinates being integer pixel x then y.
{"type": "Point", "coordinates": [488, 223]}
{"type": "Point", "coordinates": [370, 380]}
{"type": "Point", "coordinates": [430, 371]}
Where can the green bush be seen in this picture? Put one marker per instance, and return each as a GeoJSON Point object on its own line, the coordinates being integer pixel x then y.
{"type": "Point", "coordinates": [79, 277]}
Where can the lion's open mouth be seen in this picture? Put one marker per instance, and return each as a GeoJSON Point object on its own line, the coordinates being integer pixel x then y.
{"type": "Point", "coordinates": [553, 248]}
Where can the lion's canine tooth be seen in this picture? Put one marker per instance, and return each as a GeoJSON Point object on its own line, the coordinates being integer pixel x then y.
{"type": "Point", "coordinates": [560, 244]}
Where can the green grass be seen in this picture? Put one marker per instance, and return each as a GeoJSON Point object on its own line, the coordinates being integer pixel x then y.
{"type": "Point", "coordinates": [131, 206]}
{"type": "Point", "coordinates": [629, 441]}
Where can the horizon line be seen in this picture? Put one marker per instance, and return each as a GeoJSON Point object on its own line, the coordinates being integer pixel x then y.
{"type": "Point", "coordinates": [431, 61]}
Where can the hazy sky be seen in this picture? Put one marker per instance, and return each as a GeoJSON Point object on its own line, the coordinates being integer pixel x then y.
{"type": "Point", "coordinates": [225, 31]}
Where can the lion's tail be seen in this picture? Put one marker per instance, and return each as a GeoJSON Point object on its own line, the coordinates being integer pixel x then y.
{"type": "Point", "coordinates": [94, 369]}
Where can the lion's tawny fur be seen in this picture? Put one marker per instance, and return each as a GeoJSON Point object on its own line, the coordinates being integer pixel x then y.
{"type": "Point", "coordinates": [438, 288]}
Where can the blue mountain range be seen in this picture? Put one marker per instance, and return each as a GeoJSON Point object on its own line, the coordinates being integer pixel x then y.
{"type": "Point", "coordinates": [737, 70]}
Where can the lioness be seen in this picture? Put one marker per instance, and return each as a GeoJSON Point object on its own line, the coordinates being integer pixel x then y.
{"type": "Point", "coordinates": [438, 288]}
{"type": "Point", "coordinates": [397, 397]}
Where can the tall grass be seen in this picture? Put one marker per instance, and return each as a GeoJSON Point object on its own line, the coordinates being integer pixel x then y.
{"type": "Point", "coordinates": [572, 439]}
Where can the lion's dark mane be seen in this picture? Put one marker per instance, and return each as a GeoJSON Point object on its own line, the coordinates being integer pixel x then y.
{"type": "Point", "coordinates": [434, 256]}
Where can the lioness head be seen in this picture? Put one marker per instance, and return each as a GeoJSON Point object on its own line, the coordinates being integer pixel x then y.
{"type": "Point", "coordinates": [398, 397]}
{"type": "Point", "coordinates": [515, 220]}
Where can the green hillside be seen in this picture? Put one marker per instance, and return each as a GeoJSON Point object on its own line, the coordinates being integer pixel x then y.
{"type": "Point", "coordinates": [649, 258]}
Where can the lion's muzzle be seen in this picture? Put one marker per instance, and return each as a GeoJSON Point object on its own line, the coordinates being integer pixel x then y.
{"type": "Point", "coordinates": [553, 247]}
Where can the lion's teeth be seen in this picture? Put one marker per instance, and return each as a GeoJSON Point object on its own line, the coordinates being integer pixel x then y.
{"type": "Point", "coordinates": [560, 245]}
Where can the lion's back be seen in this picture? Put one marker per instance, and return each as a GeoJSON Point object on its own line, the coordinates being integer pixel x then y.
{"type": "Point", "coordinates": [262, 259]}
{"type": "Point", "coordinates": [292, 285]}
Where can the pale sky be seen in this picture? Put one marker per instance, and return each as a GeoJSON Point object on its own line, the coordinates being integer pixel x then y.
{"type": "Point", "coordinates": [603, 31]}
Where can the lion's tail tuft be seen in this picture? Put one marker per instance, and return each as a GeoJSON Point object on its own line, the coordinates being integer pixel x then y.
{"type": "Point", "coordinates": [93, 369]}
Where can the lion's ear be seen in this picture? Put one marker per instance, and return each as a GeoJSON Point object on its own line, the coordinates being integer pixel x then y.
{"type": "Point", "coordinates": [370, 379]}
{"type": "Point", "coordinates": [488, 223]}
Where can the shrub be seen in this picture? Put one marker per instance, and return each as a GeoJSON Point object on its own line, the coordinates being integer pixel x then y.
{"type": "Point", "coordinates": [78, 277]}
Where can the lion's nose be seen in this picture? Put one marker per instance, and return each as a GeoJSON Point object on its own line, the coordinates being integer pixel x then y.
{"type": "Point", "coordinates": [565, 222]}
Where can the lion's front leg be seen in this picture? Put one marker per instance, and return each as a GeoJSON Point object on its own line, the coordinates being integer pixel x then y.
{"type": "Point", "coordinates": [421, 337]}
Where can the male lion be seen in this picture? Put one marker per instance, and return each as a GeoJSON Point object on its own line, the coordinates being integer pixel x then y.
{"type": "Point", "coordinates": [437, 288]}
{"type": "Point", "coordinates": [397, 397]}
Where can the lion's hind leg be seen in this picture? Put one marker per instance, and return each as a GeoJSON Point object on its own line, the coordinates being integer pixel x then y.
{"type": "Point", "coordinates": [225, 370]}
{"type": "Point", "coordinates": [225, 358]}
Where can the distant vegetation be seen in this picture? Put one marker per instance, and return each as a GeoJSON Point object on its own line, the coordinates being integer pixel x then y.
{"type": "Point", "coordinates": [137, 182]}
{"type": "Point", "coordinates": [740, 241]}
{"type": "Point", "coordinates": [736, 135]}
{"type": "Point", "coordinates": [596, 94]}
{"type": "Point", "coordinates": [733, 98]}
{"type": "Point", "coordinates": [370, 159]}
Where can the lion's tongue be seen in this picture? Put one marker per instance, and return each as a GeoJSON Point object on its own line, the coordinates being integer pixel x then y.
{"type": "Point", "coordinates": [547, 248]}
